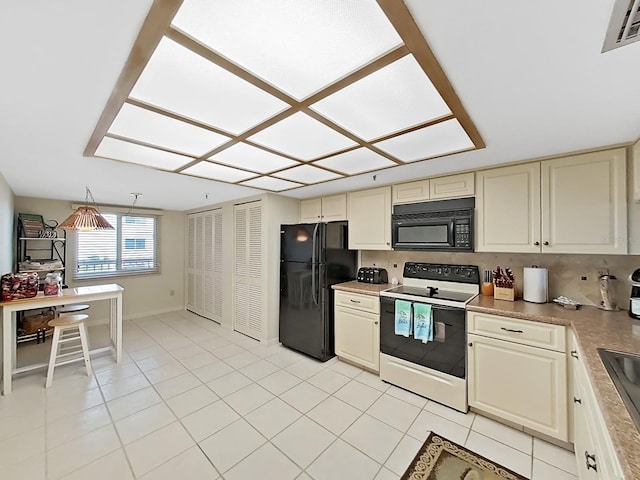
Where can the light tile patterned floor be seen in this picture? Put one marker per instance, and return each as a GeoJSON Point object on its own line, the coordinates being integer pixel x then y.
{"type": "Point", "coordinates": [196, 401]}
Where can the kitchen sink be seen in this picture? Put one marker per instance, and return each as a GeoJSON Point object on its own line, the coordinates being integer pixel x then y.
{"type": "Point", "coordinates": [624, 370]}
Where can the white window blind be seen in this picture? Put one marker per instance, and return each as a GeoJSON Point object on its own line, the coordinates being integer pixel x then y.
{"type": "Point", "coordinates": [130, 249]}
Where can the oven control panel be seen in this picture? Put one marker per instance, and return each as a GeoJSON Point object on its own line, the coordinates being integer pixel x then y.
{"type": "Point", "coordinates": [445, 272]}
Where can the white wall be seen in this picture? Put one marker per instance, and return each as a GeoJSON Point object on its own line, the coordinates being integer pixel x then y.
{"type": "Point", "coordinates": [144, 294]}
{"type": "Point", "coordinates": [6, 227]}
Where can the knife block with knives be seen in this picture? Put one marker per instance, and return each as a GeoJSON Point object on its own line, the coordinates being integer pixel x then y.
{"type": "Point", "coordinates": [504, 284]}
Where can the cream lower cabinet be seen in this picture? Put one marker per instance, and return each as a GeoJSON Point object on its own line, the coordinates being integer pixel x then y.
{"type": "Point", "coordinates": [595, 455]}
{"type": "Point", "coordinates": [357, 329]}
{"type": "Point", "coordinates": [512, 377]}
{"type": "Point", "coordinates": [369, 215]}
{"type": "Point", "coordinates": [573, 204]}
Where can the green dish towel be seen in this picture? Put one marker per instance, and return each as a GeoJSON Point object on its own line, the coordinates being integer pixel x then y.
{"type": "Point", "coordinates": [422, 322]}
{"type": "Point", "coordinates": [403, 318]}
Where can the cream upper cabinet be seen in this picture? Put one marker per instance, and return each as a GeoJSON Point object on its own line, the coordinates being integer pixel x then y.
{"type": "Point", "coordinates": [310, 210]}
{"type": "Point", "coordinates": [411, 192]}
{"type": "Point", "coordinates": [572, 204]}
{"type": "Point", "coordinates": [584, 203]}
{"type": "Point", "coordinates": [451, 186]}
{"type": "Point", "coordinates": [512, 377]}
{"type": "Point", "coordinates": [325, 209]}
{"type": "Point", "coordinates": [334, 208]}
{"type": "Point", "coordinates": [635, 154]}
{"type": "Point", "coordinates": [508, 209]}
{"type": "Point", "coordinates": [369, 215]}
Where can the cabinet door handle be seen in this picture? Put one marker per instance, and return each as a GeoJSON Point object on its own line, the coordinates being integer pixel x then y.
{"type": "Point", "coordinates": [470, 344]}
{"type": "Point", "coordinates": [375, 323]}
{"type": "Point", "coordinates": [536, 243]}
{"type": "Point", "coordinates": [354, 301]}
{"type": "Point", "coordinates": [577, 400]}
{"type": "Point", "coordinates": [511, 330]}
{"type": "Point", "coordinates": [574, 353]}
{"type": "Point", "coordinates": [545, 243]}
{"type": "Point", "coordinates": [590, 461]}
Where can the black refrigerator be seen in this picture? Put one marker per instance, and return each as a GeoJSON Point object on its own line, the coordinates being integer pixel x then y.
{"type": "Point", "coordinates": [313, 256]}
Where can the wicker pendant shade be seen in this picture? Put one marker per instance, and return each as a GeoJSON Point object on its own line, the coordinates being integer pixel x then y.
{"type": "Point", "coordinates": [86, 218]}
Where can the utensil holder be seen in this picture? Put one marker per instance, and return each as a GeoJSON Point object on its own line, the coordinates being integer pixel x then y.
{"type": "Point", "coordinates": [502, 293]}
{"type": "Point", "coordinates": [487, 289]}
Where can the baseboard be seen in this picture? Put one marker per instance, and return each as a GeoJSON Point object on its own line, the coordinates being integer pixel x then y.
{"type": "Point", "coordinates": [105, 320]}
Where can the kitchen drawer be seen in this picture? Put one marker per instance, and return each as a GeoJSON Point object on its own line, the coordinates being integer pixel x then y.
{"type": "Point", "coordinates": [526, 332]}
{"type": "Point", "coordinates": [366, 303]}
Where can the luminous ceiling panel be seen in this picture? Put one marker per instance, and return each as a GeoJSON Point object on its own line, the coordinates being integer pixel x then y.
{"type": "Point", "coordinates": [217, 172]}
{"type": "Point", "coordinates": [270, 183]}
{"type": "Point", "coordinates": [178, 80]}
{"type": "Point", "coordinates": [149, 127]}
{"type": "Point", "coordinates": [394, 98]}
{"type": "Point", "coordinates": [298, 46]}
{"type": "Point", "coordinates": [307, 174]}
{"type": "Point", "coordinates": [132, 153]}
{"type": "Point", "coordinates": [438, 139]}
{"type": "Point", "coordinates": [302, 137]}
{"type": "Point", "coordinates": [356, 161]}
{"type": "Point", "coordinates": [252, 158]}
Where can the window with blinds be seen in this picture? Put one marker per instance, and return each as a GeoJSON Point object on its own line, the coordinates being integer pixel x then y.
{"type": "Point", "coordinates": [130, 249]}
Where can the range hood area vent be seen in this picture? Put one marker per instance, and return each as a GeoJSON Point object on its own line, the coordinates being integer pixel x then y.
{"type": "Point", "coordinates": [624, 25]}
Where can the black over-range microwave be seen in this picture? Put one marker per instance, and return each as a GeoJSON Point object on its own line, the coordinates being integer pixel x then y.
{"type": "Point", "coordinates": [439, 225]}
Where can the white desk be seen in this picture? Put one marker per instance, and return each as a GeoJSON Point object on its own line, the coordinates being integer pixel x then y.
{"type": "Point", "coordinates": [112, 292]}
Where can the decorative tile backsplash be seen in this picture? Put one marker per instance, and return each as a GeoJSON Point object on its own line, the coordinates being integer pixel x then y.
{"type": "Point", "coordinates": [565, 271]}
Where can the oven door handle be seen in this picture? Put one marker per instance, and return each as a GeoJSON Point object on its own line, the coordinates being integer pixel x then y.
{"type": "Point", "coordinates": [435, 306]}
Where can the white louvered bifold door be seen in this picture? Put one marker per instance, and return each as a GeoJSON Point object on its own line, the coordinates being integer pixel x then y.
{"type": "Point", "coordinates": [217, 265]}
{"type": "Point", "coordinates": [204, 264]}
{"type": "Point", "coordinates": [198, 270]}
{"type": "Point", "coordinates": [207, 264]}
{"type": "Point", "coordinates": [249, 279]}
{"type": "Point", "coordinates": [191, 263]}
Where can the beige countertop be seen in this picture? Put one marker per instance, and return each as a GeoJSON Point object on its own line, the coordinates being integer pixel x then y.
{"type": "Point", "coordinates": [594, 329]}
{"type": "Point", "coordinates": [362, 288]}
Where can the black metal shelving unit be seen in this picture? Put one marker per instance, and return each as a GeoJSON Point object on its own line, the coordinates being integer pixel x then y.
{"type": "Point", "coordinates": [42, 249]}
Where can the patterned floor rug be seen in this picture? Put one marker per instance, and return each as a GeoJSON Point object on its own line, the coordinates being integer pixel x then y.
{"type": "Point", "coordinates": [442, 459]}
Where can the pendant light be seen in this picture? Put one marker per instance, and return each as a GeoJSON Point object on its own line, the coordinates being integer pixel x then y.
{"type": "Point", "coordinates": [87, 217]}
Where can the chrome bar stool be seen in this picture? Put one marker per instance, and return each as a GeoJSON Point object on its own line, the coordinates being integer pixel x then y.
{"type": "Point", "coordinates": [67, 331]}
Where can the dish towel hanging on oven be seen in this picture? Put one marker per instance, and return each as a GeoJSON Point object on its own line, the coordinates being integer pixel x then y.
{"type": "Point", "coordinates": [422, 322]}
{"type": "Point", "coordinates": [403, 318]}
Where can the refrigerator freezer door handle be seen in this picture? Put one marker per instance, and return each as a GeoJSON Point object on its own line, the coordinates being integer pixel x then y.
{"type": "Point", "coordinates": [313, 265]}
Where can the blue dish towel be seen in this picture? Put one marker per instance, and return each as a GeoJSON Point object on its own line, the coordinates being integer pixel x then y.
{"type": "Point", "coordinates": [422, 322]}
{"type": "Point", "coordinates": [403, 318]}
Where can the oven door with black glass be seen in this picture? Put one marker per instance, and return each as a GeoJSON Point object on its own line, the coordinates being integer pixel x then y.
{"type": "Point", "coordinates": [446, 353]}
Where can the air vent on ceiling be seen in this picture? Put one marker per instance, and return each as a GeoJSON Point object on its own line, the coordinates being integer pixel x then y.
{"type": "Point", "coordinates": [624, 25]}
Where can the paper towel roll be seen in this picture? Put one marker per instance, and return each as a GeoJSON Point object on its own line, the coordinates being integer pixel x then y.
{"type": "Point", "coordinates": [535, 285]}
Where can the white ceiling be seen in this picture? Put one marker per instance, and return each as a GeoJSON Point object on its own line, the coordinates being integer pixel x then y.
{"type": "Point", "coordinates": [531, 77]}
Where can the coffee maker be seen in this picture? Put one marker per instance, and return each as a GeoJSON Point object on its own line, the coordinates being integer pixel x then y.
{"type": "Point", "coordinates": [634, 300]}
